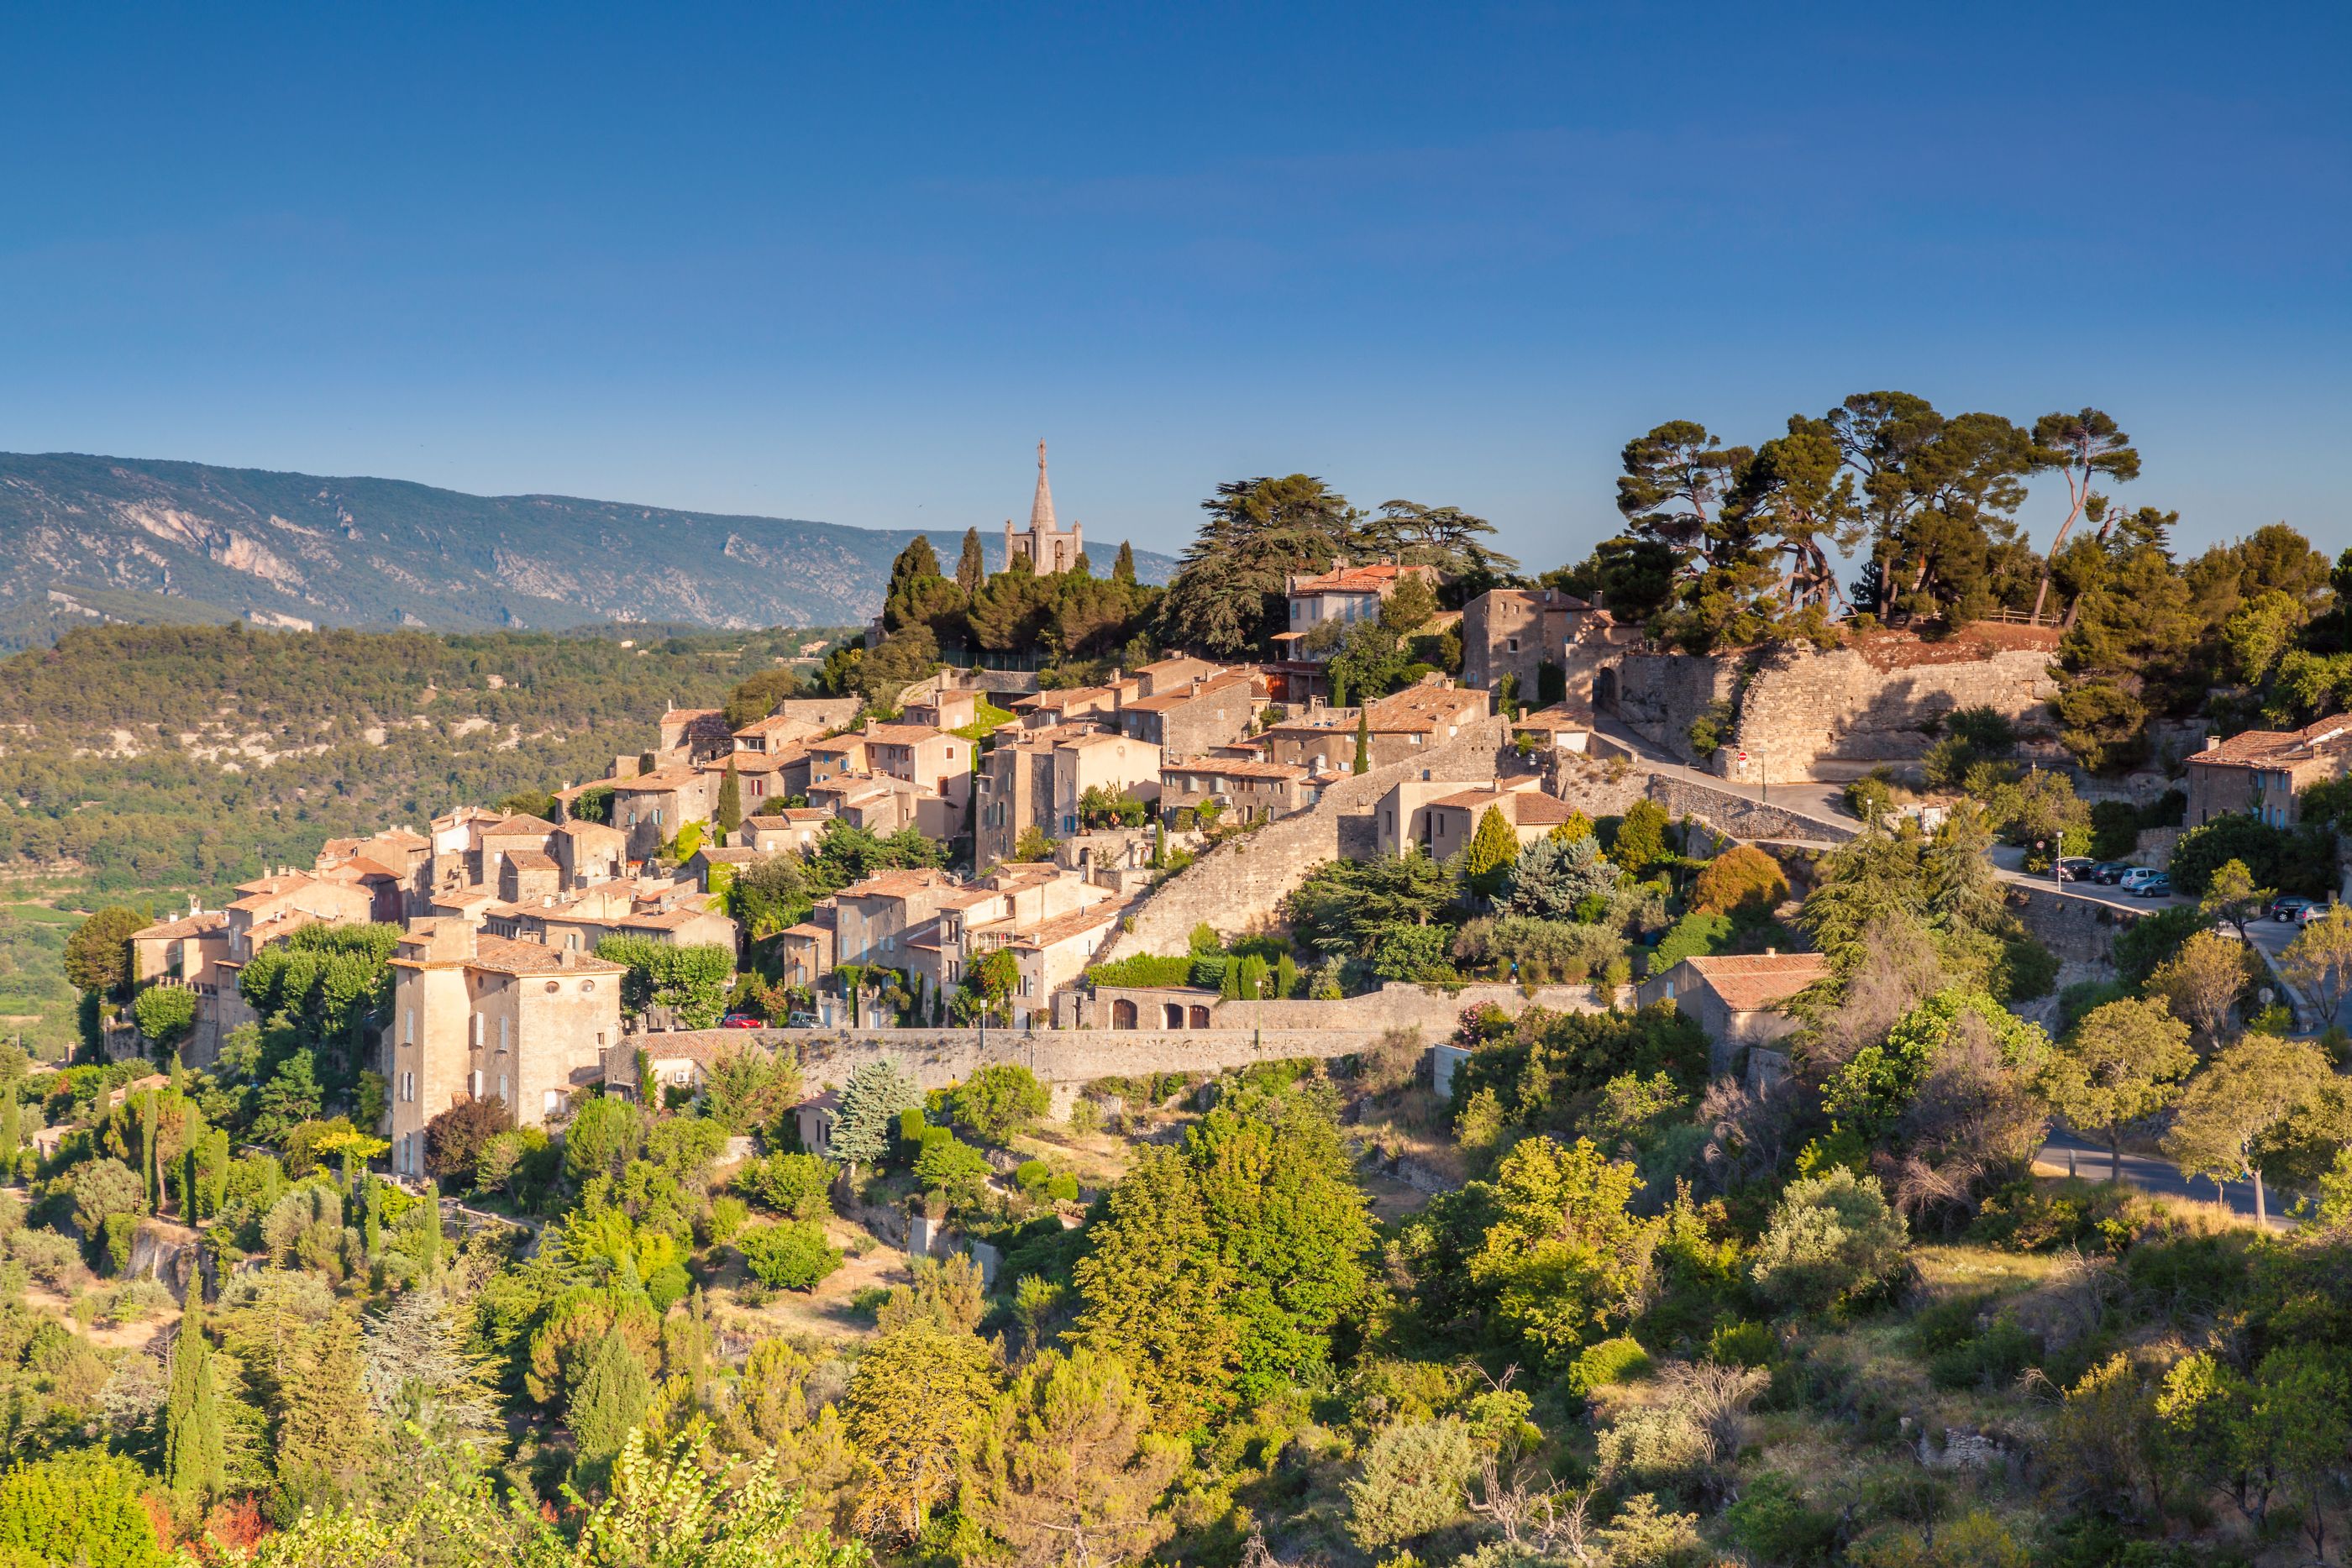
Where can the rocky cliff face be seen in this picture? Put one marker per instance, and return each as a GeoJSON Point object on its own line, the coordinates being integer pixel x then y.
{"type": "Point", "coordinates": [131, 539]}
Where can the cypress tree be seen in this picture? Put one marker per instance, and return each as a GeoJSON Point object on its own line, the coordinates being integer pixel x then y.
{"type": "Point", "coordinates": [196, 1463]}
{"type": "Point", "coordinates": [1285, 978]}
{"type": "Point", "coordinates": [12, 1127]}
{"type": "Point", "coordinates": [1159, 845]}
{"type": "Point", "coordinates": [609, 1401]}
{"type": "Point", "coordinates": [150, 1161]}
{"type": "Point", "coordinates": [1363, 741]}
{"type": "Point", "coordinates": [971, 567]}
{"type": "Point", "coordinates": [1123, 571]}
{"type": "Point", "coordinates": [730, 801]}
{"type": "Point", "coordinates": [428, 1251]}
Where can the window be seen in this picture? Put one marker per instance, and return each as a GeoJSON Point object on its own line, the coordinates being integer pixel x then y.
{"type": "Point", "coordinates": [587, 986]}
{"type": "Point", "coordinates": [408, 1087]}
{"type": "Point", "coordinates": [553, 986]}
{"type": "Point", "coordinates": [552, 1103]}
{"type": "Point", "coordinates": [502, 1034]}
{"type": "Point", "coordinates": [502, 1086]}
{"type": "Point", "coordinates": [477, 1029]}
{"type": "Point", "coordinates": [408, 1026]}
{"type": "Point", "coordinates": [1512, 643]}
{"type": "Point", "coordinates": [474, 1083]}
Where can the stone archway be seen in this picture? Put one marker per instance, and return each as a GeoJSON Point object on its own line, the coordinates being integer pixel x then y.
{"type": "Point", "coordinates": [1122, 1014]}
{"type": "Point", "coordinates": [1175, 1011]}
{"type": "Point", "coordinates": [1199, 1017]}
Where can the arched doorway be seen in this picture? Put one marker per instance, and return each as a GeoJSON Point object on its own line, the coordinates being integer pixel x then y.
{"type": "Point", "coordinates": [1122, 1014]}
{"type": "Point", "coordinates": [1175, 1011]}
{"type": "Point", "coordinates": [1199, 1017]}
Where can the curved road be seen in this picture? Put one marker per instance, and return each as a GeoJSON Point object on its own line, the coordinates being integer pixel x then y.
{"type": "Point", "coordinates": [2149, 1173]}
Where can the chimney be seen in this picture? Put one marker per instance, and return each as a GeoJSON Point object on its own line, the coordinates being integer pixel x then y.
{"type": "Point", "coordinates": [2212, 742]}
{"type": "Point", "coordinates": [1771, 952]}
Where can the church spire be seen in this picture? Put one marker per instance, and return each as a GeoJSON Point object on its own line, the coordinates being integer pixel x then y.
{"type": "Point", "coordinates": [1041, 510]}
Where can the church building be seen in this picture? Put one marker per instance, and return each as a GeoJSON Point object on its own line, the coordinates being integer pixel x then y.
{"type": "Point", "coordinates": [1045, 545]}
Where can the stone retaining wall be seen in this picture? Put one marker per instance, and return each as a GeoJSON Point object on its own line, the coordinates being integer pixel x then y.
{"type": "Point", "coordinates": [937, 1057]}
{"type": "Point", "coordinates": [1238, 886]}
{"type": "Point", "coordinates": [1396, 1005]}
{"type": "Point", "coordinates": [1805, 708]}
{"type": "Point", "coordinates": [2079, 930]}
{"type": "Point", "coordinates": [1743, 816]}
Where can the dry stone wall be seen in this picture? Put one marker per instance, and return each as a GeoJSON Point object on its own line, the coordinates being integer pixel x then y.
{"type": "Point", "coordinates": [936, 1057]}
{"type": "Point", "coordinates": [1239, 887]}
{"type": "Point", "coordinates": [1807, 714]}
{"type": "Point", "coordinates": [1396, 1005]}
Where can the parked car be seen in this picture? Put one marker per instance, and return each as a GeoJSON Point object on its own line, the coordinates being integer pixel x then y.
{"type": "Point", "coordinates": [2159, 885]}
{"type": "Point", "coordinates": [800, 1020]}
{"type": "Point", "coordinates": [2312, 912]}
{"type": "Point", "coordinates": [2293, 909]}
{"type": "Point", "coordinates": [2137, 877]}
{"type": "Point", "coordinates": [2074, 868]}
{"type": "Point", "coordinates": [742, 1021]}
{"type": "Point", "coordinates": [2106, 873]}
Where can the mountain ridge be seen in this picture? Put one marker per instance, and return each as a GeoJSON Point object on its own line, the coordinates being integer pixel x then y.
{"type": "Point", "coordinates": [81, 531]}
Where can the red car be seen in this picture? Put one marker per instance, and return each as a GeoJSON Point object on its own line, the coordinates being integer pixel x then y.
{"type": "Point", "coordinates": [742, 1021]}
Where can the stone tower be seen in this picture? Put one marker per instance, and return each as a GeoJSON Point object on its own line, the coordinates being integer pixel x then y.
{"type": "Point", "coordinates": [1043, 544]}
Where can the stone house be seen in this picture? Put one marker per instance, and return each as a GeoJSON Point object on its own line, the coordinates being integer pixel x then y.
{"type": "Point", "coordinates": [921, 754]}
{"type": "Point", "coordinates": [995, 911]}
{"type": "Point", "coordinates": [589, 854]}
{"type": "Point", "coordinates": [776, 733]}
{"type": "Point", "coordinates": [652, 807]}
{"type": "Point", "coordinates": [1052, 955]}
{"type": "Point", "coordinates": [814, 1117]}
{"type": "Point", "coordinates": [1401, 727]}
{"type": "Point", "coordinates": [480, 1016]}
{"type": "Point", "coordinates": [1066, 706]}
{"type": "Point", "coordinates": [1442, 819]}
{"type": "Point", "coordinates": [691, 734]}
{"type": "Point", "coordinates": [1737, 998]}
{"type": "Point", "coordinates": [1036, 778]}
{"type": "Point", "coordinates": [1254, 791]}
{"type": "Point", "coordinates": [1341, 597]}
{"type": "Point", "coordinates": [1555, 729]}
{"type": "Point", "coordinates": [1518, 630]}
{"type": "Point", "coordinates": [881, 804]}
{"type": "Point", "coordinates": [529, 874]}
{"type": "Point", "coordinates": [507, 836]}
{"type": "Point", "coordinates": [944, 709]}
{"type": "Point", "coordinates": [1173, 672]}
{"type": "Point", "coordinates": [836, 755]}
{"type": "Point", "coordinates": [872, 919]}
{"type": "Point", "coordinates": [789, 829]}
{"type": "Point", "coordinates": [763, 781]}
{"type": "Point", "coordinates": [2259, 772]}
{"type": "Point", "coordinates": [271, 908]}
{"type": "Point", "coordinates": [804, 951]}
{"type": "Point", "coordinates": [1194, 718]}
{"type": "Point", "coordinates": [674, 914]}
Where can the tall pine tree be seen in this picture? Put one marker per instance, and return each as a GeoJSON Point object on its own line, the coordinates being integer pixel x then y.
{"type": "Point", "coordinates": [1123, 569]}
{"type": "Point", "coordinates": [610, 1399]}
{"type": "Point", "coordinates": [1363, 742]}
{"type": "Point", "coordinates": [196, 1463]}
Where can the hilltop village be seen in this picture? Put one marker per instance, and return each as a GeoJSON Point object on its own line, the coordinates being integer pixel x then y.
{"type": "Point", "coordinates": [1387, 1059]}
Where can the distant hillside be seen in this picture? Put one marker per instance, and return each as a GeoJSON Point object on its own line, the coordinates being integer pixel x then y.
{"type": "Point", "coordinates": [85, 539]}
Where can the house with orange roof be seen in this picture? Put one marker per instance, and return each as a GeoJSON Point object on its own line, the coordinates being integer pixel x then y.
{"type": "Point", "coordinates": [1737, 999]}
{"type": "Point", "coordinates": [2260, 772]}
{"type": "Point", "coordinates": [652, 807]}
{"type": "Point", "coordinates": [1400, 726]}
{"type": "Point", "coordinates": [1254, 790]}
{"type": "Point", "coordinates": [1339, 598]}
{"type": "Point", "coordinates": [1442, 819]}
{"type": "Point", "coordinates": [1192, 718]}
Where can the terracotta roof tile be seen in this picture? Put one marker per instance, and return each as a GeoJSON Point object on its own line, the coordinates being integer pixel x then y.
{"type": "Point", "coordinates": [1751, 982]}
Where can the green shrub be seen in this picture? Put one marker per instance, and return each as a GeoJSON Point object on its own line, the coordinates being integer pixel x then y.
{"type": "Point", "coordinates": [1742, 1343]}
{"type": "Point", "coordinates": [1001, 1100]}
{"type": "Point", "coordinates": [1832, 1238]}
{"type": "Point", "coordinates": [794, 1186]}
{"type": "Point", "coordinates": [1063, 1188]}
{"type": "Point", "coordinates": [1605, 1364]}
{"type": "Point", "coordinates": [1031, 1174]}
{"type": "Point", "coordinates": [728, 1215]}
{"type": "Point", "coordinates": [1773, 1523]}
{"type": "Point", "coordinates": [120, 1230]}
{"type": "Point", "coordinates": [666, 1286]}
{"type": "Point", "coordinates": [789, 1256]}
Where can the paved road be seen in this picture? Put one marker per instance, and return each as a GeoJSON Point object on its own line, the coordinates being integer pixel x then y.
{"type": "Point", "coordinates": [2152, 1175]}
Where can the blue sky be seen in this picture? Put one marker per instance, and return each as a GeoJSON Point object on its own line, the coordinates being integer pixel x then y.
{"type": "Point", "coordinates": [850, 264]}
